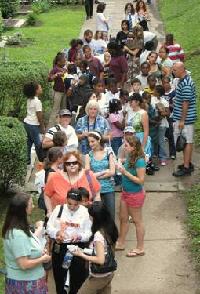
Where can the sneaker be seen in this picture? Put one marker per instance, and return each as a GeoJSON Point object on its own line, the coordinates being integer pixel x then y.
{"type": "Point", "coordinates": [163, 163]}
{"type": "Point", "coordinates": [173, 157]}
{"type": "Point", "coordinates": [182, 172]}
{"type": "Point", "coordinates": [191, 167]}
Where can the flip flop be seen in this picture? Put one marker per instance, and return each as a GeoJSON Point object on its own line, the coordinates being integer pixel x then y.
{"type": "Point", "coordinates": [135, 253]}
{"type": "Point", "coordinates": [119, 248]}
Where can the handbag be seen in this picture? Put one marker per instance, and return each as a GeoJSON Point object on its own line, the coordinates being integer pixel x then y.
{"type": "Point", "coordinates": [110, 264]}
{"type": "Point", "coordinates": [41, 202]}
{"type": "Point", "coordinates": [180, 142]}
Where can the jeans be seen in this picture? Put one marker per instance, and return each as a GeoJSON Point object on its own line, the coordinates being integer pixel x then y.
{"type": "Point", "coordinates": [33, 137]}
{"type": "Point", "coordinates": [89, 8]}
{"type": "Point", "coordinates": [161, 143]}
{"type": "Point", "coordinates": [109, 201]}
{"type": "Point", "coordinates": [116, 143]}
{"type": "Point", "coordinates": [170, 136]}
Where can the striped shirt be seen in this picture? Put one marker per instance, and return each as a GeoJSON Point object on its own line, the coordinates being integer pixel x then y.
{"type": "Point", "coordinates": [176, 53]}
{"type": "Point", "coordinates": [185, 91]}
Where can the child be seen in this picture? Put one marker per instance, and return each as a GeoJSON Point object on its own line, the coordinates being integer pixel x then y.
{"type": "Point", "coordinates": [106, 66]}
{"type": "Point", "coordinates": [161, 107]}
{"type": "Point", "coordinates": [33, 121]}
{"type": "Point", "coordinates": [85, 196]}
{"type": "Point", "coordinates": [151, 81]}
{"type": "Point", "coordinates": [117, 123]}
{"type": "Point", "coordinates": [136, 86]}
{"type": "Point", "coordinates": [56, 75]}
{"type": "Point", "coordinates": [99, 96]}
{"type": "Point", "coordinates": [144, 68]}
{"type": "Point", "coordinates": [71, 78]}
{"type": "Point", "coordinates": [113, 91]}
{"type": "Point", "coordinates": [170, 96]}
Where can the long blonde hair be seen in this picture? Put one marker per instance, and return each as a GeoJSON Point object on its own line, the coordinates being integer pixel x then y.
{"type": "Point", "coordinates": [138, 153]}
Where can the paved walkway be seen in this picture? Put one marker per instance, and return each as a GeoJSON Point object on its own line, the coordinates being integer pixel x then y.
{"type": "Point", "coordinates": [166, 268]}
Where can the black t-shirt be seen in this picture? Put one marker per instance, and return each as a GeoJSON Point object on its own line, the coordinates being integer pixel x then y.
{"type": "Point", "coordinates": [121, 38]}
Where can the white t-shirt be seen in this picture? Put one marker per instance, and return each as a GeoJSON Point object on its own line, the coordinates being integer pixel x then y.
{"type": "Point", "coordinates": [143, 80]}
{"type": "Point", "coordinates": [148, 36]}
{"type": "Point", "coordinates": [33, 106]}
{"type": "Point", "coordinates": [99, 46]}
{"type": "Point", "coordinates": [100, 23]}
{"type": "Point", "coordinates": [72, 139]}
{"type": "Point", "coordinates": [154, 101]}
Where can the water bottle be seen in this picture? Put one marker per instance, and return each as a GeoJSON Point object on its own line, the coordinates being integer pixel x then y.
{"type": "Point", "coordinates": [67, 260]}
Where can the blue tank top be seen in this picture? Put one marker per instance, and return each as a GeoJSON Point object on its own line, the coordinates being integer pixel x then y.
{"type": "Point", "coordinates": [98, 166]}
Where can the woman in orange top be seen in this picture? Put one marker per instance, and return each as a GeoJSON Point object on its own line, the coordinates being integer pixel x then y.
{"type": "Point", "coordinates": [72, 176]}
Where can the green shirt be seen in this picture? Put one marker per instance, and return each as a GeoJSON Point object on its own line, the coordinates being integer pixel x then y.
{"type": "Point", "coordinates": [18, 244]}
{"type": "Point", "coordinates": [127, 184]}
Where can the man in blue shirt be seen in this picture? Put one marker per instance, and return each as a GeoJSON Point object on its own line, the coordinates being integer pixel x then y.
{"type": "Point", "coordinates": [184, 116]}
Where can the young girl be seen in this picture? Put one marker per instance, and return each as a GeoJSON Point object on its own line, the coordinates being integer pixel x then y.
{"type": "Point", "coordinates": [161, 106]}
{"type": "Point", "coordinates": [104, 234]}
{"type": "Point", "coordinates": [101, 21]}
{"type": "Point", "coordinates": [117, 123]}
{"type": "Point", "coordinates": [56, 76]}
{"type": "Point", "coordinates": [133, 195]}
{"type": "Point", "coordinates": [131, 16]}
{"type": "Point", "coordinates": [106, 66]}
{"type": "Point", "coordinates": [101, 162]}
{"type": "Point", "coordinates": [142, 14]}
{"type": "Point", "coordinates": [99, 96]}
{"type": "Point", "coordinates": [33, 121]}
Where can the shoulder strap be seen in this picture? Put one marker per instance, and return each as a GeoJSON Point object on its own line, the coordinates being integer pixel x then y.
{"type": "Point", "coordinates": [89, 179]}
{"type": "Point", "coordinates": [60, 211]}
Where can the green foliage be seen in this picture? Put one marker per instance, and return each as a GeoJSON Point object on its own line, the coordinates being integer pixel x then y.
{"type": "Point", "coordinates": [1, 24]}
{"type": "Point", "coordinates": [32, 19]}
{"type": "Point", "coordinates": [13, 152]}
{"type": "Point", "coordinates": [193, 220]}
{"type": "Point", "coordinates": [15, 39]}
{"type": "Point", "coordinates": [12, 79]}
{"type": "Point", "coordinates": [40, 6]}
{"type": "Point", "coordinates": [9, 7]}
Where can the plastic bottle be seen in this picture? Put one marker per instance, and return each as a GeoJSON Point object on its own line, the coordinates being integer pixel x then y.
{"type": "Point", "coordinates": [67, 260]}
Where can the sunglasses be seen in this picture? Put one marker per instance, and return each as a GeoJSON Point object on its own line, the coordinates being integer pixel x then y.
{"type": "Point", "coordinates": [69, 163]}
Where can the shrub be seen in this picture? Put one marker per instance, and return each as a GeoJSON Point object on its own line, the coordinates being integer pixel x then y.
{"type": "Point", "coordinates": [13, 152]}
{"type": "Point", "coordinates": [40, 6]}
{"type": "Point", "coordinates": [32, 19]}
{"type": "Point", "coordinates": [1, 24]}
{"type": "Point", "coordinates": [9, 7]}
{"type": "Point", "coordinates": [12, 78]}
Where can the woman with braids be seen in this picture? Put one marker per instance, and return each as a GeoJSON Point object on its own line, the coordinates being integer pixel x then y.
{"type": "Point", "coordinates": [133, 195]}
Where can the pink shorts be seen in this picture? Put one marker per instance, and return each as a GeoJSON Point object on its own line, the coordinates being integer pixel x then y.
{"type": "Point", "coordinates": [133, 199]}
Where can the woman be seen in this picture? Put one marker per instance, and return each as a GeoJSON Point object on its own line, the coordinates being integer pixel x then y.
{"type": "Point", "coordinates": [101, 162]}
{"type": "Point", "coordinates": [176, 53]}
{"type": "Point", "coordinates": [123, 34]}
{"type": "Point", "coordinates": [24, 254]}
{"type": "Point", "coordinates": [72, 176]}
{"type": "Point", "coordinates": [69, 224]}
{"type": "Point", "coordinates": [165, 62]}
{"type": "Point", "coordinates": [118, 65]}
{"type": "Point", "coordinates": [104, 234]}
{"type": "Point", "coordinates": [33, 122]}
{"type": "Point", "coordinates": [139, 120]}
{"type": "Point", "coordinates": [154, 67]}
{"type": "Point", "coordinates": [141, 11]}
{"type": "Point", "coordinates": [101, 21]}
{"type": "Point", "coordinates": [131, 16]}
{"type": "Point", "coordinates": [92, 121]}
{"type": "Point", "coordinates": [99, 96]}
{"type": "Point", "coordinates": [100, 45]}
{"type": "Point", "coordinates": [133, 195]}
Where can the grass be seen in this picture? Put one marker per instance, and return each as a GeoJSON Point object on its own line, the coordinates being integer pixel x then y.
{"type": "Point", "coordinates": [36, 215]}
{"type": "Point", "coordinates": [181, 18]}
{"type": "Point", "coordinates": [57, 28]}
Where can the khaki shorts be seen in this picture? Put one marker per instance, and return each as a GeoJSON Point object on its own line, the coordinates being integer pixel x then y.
{"type": "Point", "coordinates": [188, 132]}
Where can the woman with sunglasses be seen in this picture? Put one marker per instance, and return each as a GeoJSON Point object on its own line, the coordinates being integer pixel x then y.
{"type": "Point", "coordinates": [133, 195]}
{"type": "Point", "coordinates": [69, 224]}
{"type": "Point", "coordinates": [72, 176]}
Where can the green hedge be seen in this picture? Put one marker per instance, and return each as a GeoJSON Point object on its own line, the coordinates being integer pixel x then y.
{"type": "Point", "coordinates": [13, 150]}
{"type": "Point", "coordinates": [9, 7]}
{"type": "Point", "coordinates": [13, 76]}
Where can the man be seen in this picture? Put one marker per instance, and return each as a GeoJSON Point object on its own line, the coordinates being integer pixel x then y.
{"type": "Point", "coordinates": [94, 64]}
{"type": "Point", "coordinates": [88, 40]}
{"type": "Point", "coordinates": [184, 116]}
{"type": "Point", "coordinates": [63, 125]}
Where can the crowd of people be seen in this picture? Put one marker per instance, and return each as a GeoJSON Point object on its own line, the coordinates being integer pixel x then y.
{"type": "Point", "coordinates": [118, 104]}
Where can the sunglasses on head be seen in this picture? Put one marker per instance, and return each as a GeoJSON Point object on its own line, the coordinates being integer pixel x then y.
{"type": "Point", "coordinates": [69, 163]}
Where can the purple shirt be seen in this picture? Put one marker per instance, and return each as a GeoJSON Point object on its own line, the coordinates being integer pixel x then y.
{"type": "Point", "coordinates": [58, 82]}
{"type": "Point", "coordinates": [95, 66]}
{"type": "Point", "coordinates": [118, 66]}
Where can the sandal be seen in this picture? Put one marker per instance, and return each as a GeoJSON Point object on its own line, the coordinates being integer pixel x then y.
{"type": "Point", "coordinates": [118, 247]}
{"type": "Point", "coordinates": [135, 253]}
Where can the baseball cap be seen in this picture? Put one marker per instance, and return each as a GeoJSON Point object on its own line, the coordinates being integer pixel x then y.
{"type": "Point", "coordinates": [129, 130]}
{"type": "Point", "coordinates": [65, 112]}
